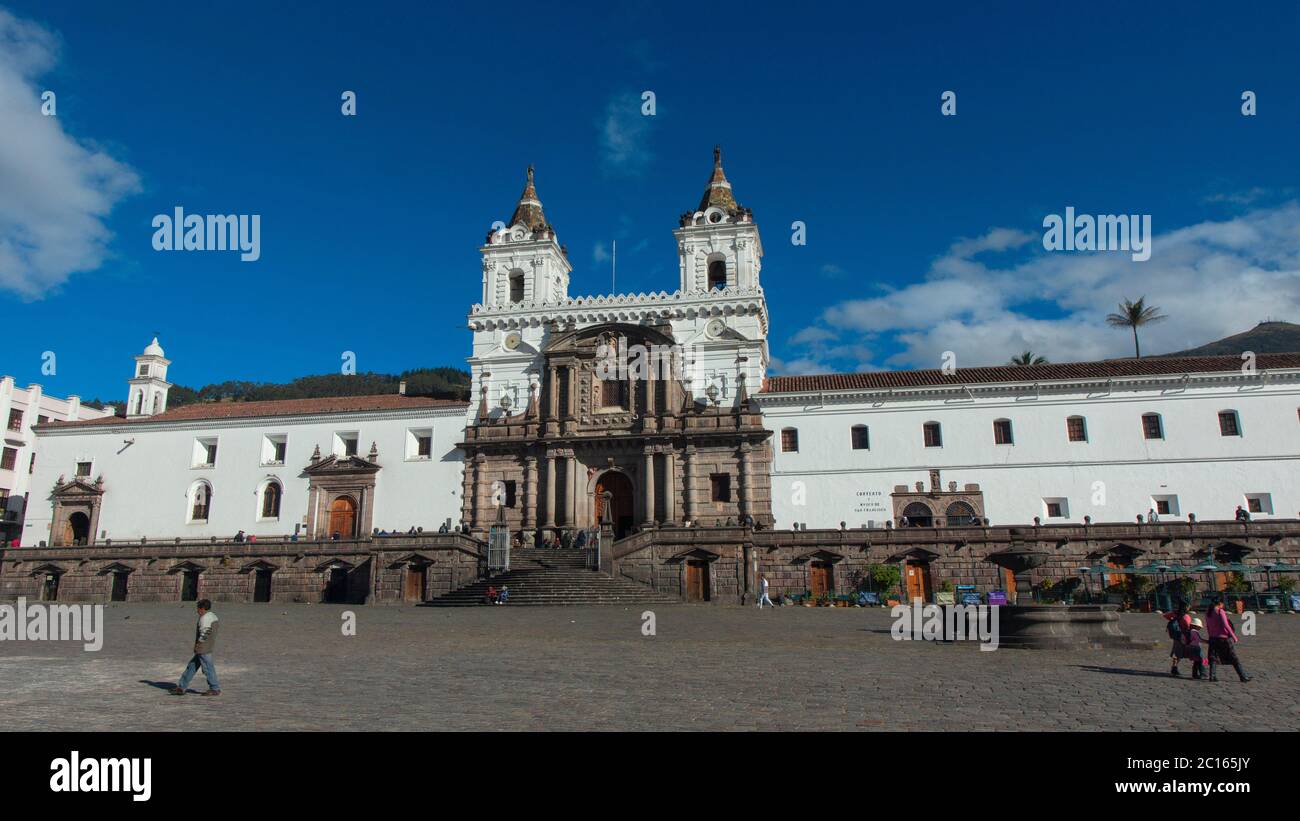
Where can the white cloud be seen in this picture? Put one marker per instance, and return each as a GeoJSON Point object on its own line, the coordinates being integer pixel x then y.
{"type": "Point", "coordinates": [57, 190]}
{"type": "Point", "coordinates": [1212, 279]}
{"type": "Point", "coordinates": [623, 134]}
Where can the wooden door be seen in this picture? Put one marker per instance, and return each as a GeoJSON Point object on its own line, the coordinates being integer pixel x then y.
{"type": "Point", "coordinates": [697, 580]}
{"type": "Point", "coordinates": [343, 518]}
{"type": "Point", "coordinates": [262, 585]}
{"type": "Point", "coordinates": [819, 578]}
{"type": "Point", "coordinates": [1009, 582]}
{"type": "Point", "coordinates": [190, 585]}
{"type": "Point", "coordinates": [413, 591]}
{"type": "Point", "coordinates": [50, 590]}
{"type": "Point", "coordinates": [917, 577]}
{"type": "Point", "coordinates": [119, 587]}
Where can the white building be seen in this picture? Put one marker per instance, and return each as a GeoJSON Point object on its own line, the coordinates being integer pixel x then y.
{"type": "Point", "coordinates": [342, 465]}
{"type": "Point", "coordinates": [1106, 440]}
{"type": "Point", "coordinates": [22, 410]}
{"type": "Point", "coordinates": [716, 317]}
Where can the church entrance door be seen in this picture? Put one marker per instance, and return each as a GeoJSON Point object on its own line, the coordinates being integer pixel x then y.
{"type": "Point", "coordinates": [343, 518]}
{"type": "Point", "coordinates": [620, 502]}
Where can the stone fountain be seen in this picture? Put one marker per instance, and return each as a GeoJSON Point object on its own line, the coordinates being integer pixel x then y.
{"type": "Point", "coordinates": [1054, 626]}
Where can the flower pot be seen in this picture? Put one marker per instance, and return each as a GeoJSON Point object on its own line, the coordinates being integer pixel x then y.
{"type": "Point", "coordinates": [1239, 606]}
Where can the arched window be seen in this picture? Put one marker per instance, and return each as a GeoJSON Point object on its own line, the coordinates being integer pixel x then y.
{"type": "Point", "coordinates": [139, 403]}
{"type": "Point", "coordinates": [1229, 424]}
{"type": "Point", "coordinates": [200, 502]}
{"type": "Point", "coordinates": [960, 514]}
{"type": "Point", "coordinates": [271, 500]}
{"type": "Point", "coordinates": [717, 274]}
{"type": "Point", "coordinates": [516, 286]}
{"type": "Point", "coordinates": [1002, 432]}
{"type": "Point", "coordinates": [790, 440]}
{"type": "Point", "coordinates": [918, 514]}
{"type": "Point", "coordinates": [861, 437]}
{"type": "Point", "coordinates": [1076, 429]}
{"type": "Point", "coordinates": [1152, 427]}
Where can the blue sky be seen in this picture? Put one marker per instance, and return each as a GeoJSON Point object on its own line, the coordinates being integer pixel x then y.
{"type": "Point", "coordinates": [923, 231]}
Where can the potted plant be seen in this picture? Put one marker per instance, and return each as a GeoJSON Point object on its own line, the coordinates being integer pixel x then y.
{"type": "Point", "coordinates": [947, 593]}
{"type": "Point", "coordinates": [886, 578]}
{"type": "Point", "coordinates": [1139, 586]}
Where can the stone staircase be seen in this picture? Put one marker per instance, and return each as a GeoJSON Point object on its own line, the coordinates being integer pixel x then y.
{"type": "Point", "coordinates": [553, 577]}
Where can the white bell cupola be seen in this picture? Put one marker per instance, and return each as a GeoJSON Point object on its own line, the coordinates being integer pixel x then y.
{"type": "Point", "coordinates": [523, 262]}
{"type": "Point", "coordinates": [718, 244]}
{"type": "Point", "coordinates": [149, 385]}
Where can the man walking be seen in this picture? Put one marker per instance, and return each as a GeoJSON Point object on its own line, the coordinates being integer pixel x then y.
{"type": "Point", "coordinates": [205, 641]}
{"type": "Point", "coordinates": [764, 598]}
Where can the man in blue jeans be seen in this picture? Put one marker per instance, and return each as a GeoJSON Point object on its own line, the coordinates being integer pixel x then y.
{"type": "Point", "coordinates": [205, 641]}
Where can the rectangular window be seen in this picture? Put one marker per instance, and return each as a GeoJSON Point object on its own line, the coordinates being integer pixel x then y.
{"type": "Point", "coordinates": [613, 394]}
{"type": "Point", "coordinates": [83, 469]}
{"type": "Point", "coordinates": [419, 444]}
{"type": "Point", "coordinates": [720, 487]}
{"type": "Point", "coordinates": [15, 419]}
{"type": "Point", "coordinates": [861, 438]}
{"type": "Point", "coordinates": [1076, 429]}
{"type": "Point", "coordinates": [510, 494]}
{"type": "Point", "coordinates": [41, 420]}
{"type": "Point", "coordinates": [1162, 506]}
{"type": "Point", "coordinates": [1259, 503]}
{"type": "Point", "coordinates": [789, 441]}
{"type": "Point", "coordinates": [1228, 424]}
{"type": "Point", "coordinates": [345, 443]}
{"type": "Point", "coordinates": [9, 458]}
{"type": "Point", "coordinates": [1053, 510]}
{"type": "Point", "coordinates": [1151, 427]}
{"type": "Point", "coordinates": [933, 435]}
{"type": "Point", "coordinates": [205, 453]}
{"type": "Point", "coordinates": [1002, 432]}
{"type": "Point", "coordinates": [144, 370]}
{"type": "Point", "coordinates": [274, 448]}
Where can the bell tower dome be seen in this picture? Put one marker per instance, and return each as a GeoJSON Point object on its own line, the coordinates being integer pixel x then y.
{"type": "Point", "coordinates": [148, 385]}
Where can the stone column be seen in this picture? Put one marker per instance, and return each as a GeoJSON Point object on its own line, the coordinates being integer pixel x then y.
{"type": "Point", "coordinates": [553, 394]}
{"type": "Point", "coordinates": [476, 506]}
{"type": "Point", "coordinates": [670, 485]}
{"type": "Point", "coordinates": [688, 495]}
{"type": "Point", "coordinates": [571, 489]}
{"type": "Point", "coordinates": [745, 450]}
{"type": "Point", "coordinates": [648, 470]}
{"type": "Point", "coordinates": [548, 515]}
{"type": "Point", "coordinates": [530, 491]}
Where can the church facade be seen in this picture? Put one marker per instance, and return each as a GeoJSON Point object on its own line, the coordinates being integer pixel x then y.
{"type": "Point", "coordinates": [654, 412]}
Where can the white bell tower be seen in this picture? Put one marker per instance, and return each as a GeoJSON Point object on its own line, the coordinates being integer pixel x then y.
{"type": "Point", "coordinates": [523, 263]}
{"type": "Point", "coordinates": [149, 385]}
{"type": "Point", "coordinates": [717, 244]}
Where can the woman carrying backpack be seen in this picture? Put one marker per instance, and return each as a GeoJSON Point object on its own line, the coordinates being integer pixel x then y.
{"type": "Point", "coordinates": [1180, 623]}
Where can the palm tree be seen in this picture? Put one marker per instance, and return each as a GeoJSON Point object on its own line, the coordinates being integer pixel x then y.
{"type": "Point", "coordinates": [1134, 315]}
{"type": "Point", "coordinates": [1028, 358]}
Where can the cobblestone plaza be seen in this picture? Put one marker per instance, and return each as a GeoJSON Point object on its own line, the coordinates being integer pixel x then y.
{"type": "Point", "coordinates": [591, 668]}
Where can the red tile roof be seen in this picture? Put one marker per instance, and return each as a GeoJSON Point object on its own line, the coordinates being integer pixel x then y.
{"type": "Point", "coordinates": [279, 407]}
{"type": "Point", "coordinates": [1105, 369]}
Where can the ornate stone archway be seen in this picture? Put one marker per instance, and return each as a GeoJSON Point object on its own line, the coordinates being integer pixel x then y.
{"type": "Point", "coordinates": [77, 506]}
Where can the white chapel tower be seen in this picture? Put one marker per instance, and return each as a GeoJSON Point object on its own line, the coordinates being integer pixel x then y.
{"type": "Point", "coordinates": [149, 385]}
{"type": "Point", "coordinates": [717, 244]}
{"type": "Point", "coordinates": [523, 262]}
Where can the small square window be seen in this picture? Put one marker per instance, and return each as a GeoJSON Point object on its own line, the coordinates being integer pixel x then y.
{"type": "Point", "coordinates": [274, 448]}
{"type": "Point", "coordinates": [345, 443]}
{"type": "Point", "coordinates": [790, 440]}
{"type": "Point", "coordinates": [933, 435]}
{"type": "Point", "coordinates": [1259, 503]}
{"type": "Point", "coordinates": [1076, 429]}
{"type": "Point", "coordinates": [1057, 507]}
{"type": "Point", "coordinates": [1002, 432]}
{"type": "Point", "coordinates": [861, 438]}
{"type": "Point", "coordinates": [720, 487]}
{"type": "Point", "coordinates": [1151, 427]}
{"type": "Point", "coordinates": [205, 453]}
{"type": "Point", "coordinates": [83, 469]}
{"type": "Point", "coordinates": [419, 443]}
{"type": "Point", "coordinates": [1228, 424]}
{"type": "Point", "coordinates": [15, 419]}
